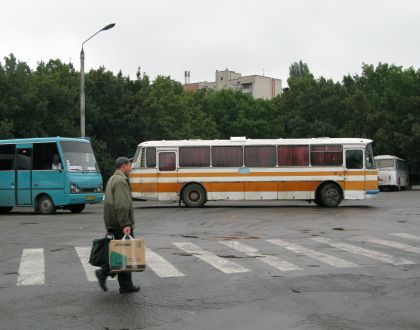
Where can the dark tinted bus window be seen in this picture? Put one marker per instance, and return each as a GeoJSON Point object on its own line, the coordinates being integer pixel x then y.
{"type": "Point", "coordinates": [7, 154]}
{"type": "Point", "coordinates": [260, 156]}
{"type": "Point", "coordinates": [327, 155]}
{"type": "Point", "coordinates": [194, 156]}
{"type": "Point", "coordinates": [23, 159]}
{"type": "Point", "coordinates": [151, 157]}
{"type": "Point", "coordinates": [227, 156]}
{"type": "Point", "coordinates": [293, 155]}
{"type": "Point", "coordinates": [46, 156]}
{"type": "Point", "coordinates": [167, 161]}
{"type": "Point", "coordinates": [354, 159]}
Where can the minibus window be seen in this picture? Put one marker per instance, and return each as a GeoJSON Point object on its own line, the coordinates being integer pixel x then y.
{"type": "Point", "coordinates": [260, 156]}
{"type": "Point", "coordinates": [7, 154]}
{"type": "Point", "coordinates": [228, 156]}
{"type": "Point", "coordinates": [79, 156]}
{"type": "Point", "coordinates": [167, 161]}
{"type": "Point", "coordinates": [370, 162]}
{"type": "Point", "coordinates": [46, 157]}
{"type": "Point", "coordinates": [194, 156]}
{"type": "Point", "coordinates": [293, 155]}
{"type": "Point", "coordinates": [327, 155]}
{"type": "Point", "coordinates": [354, 159]}
{"type": "Point", "coordinates": [23, 159]}
{"type": "Point", "coordinates": [151, 157]}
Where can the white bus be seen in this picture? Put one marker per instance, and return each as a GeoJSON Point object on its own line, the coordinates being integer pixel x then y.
{"type": "Point", "coordinates": [323, 170]}
{"type": "Point", "coordinates": [393, 172]}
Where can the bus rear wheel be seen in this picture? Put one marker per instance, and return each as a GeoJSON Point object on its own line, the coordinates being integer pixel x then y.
{"type": "Point", "coordinates": [77, 208]}
{"type": "Point", "coordinates": [5, 209]}
{"type": "Point", "coordinates": [194, 195]}
{"type": "Point", "coordinates": [329, 195]}
{"type": "Point", "coordinates": [46, 205]}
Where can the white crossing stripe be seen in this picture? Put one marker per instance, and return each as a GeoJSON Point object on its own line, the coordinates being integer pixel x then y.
{"type": "Point", "coordinates": [364, 252]}
{"type": "Point", "coordinates": [325, 258]}
{"type": "Point", "coordinates": [160, 265]}
{"type": "Point", "coordinates": [84, 254]}
{"type": "Point", "coordinates": [226, 266]}
{"type": "Point", "coordinates": [408, 236]}
{"type": "Point", "coordinates": [32, 267]}
{"type": "Point", "coordinates": [397, 245]}
{"type": "Point", "coordinates": [253, 252]}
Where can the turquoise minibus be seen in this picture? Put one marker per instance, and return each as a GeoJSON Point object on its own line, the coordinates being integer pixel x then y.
{"type": "Point", "coordinates": [48, 174]}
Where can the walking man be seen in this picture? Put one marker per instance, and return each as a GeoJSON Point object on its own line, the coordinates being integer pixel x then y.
{"type": "Point", "coordinates": [119, 219]}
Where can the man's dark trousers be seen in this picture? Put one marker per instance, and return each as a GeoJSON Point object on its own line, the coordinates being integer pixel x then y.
{"type": "Point", "coordinates": [124, 278]}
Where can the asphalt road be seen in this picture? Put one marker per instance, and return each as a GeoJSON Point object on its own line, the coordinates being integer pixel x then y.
{"type": "Point", "coordinates": [230, 265]}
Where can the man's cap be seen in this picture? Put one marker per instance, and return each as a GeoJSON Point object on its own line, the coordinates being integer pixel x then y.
{"type": "Point", "coordinates": [122, 160]}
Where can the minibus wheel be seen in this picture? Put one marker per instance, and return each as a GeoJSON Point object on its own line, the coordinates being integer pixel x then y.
{"type": "Point", "coordinates": [76, 208]}
{"type": "Point", "coordinates": [194, 195]}
{"type": "Point", "coordinates": [330, 195]}
{"type": "Point", "coordinates": [46, 205]}
{"type": "Point", "coordinates": [5, 209]}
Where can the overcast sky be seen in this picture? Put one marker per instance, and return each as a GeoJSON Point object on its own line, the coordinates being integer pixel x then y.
{"type": "Point", "coordinates": [167, 37]}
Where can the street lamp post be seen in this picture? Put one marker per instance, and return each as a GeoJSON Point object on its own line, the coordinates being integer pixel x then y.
{"type": "Point", "coordinates": [82, 80]}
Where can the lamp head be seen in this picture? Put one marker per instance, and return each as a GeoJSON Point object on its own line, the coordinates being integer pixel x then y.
{"type": "Point", "coordinates": [109, 26]}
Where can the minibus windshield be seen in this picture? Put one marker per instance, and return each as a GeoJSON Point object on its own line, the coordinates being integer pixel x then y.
{"type": "Point", "coordinates": [385, 164]}
{"type": "Point", "coordinates": [79, 157]}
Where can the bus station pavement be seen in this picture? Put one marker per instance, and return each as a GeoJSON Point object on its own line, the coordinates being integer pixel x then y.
{"type": "Point", "coordinates": [228, 265]}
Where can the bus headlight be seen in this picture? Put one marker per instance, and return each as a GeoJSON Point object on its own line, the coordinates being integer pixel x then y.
{"type": "Point", "coordinates": [74, 189]}
{"type": "Point", "coordinates": [100, 188]}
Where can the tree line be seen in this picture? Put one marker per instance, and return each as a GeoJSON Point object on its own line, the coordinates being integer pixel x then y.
{"type": "Point", "coordinates": [382, 103]}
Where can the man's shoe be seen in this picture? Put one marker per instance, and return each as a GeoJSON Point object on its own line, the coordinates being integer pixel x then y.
{"type": "Point", "coordinates": [101, 279]}
{"type": "Point", "coordinates": [130, 290]}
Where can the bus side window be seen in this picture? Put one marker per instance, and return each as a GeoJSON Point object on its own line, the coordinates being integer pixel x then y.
{"type": "Point", "coordinates": [23, 159]}
{"type": "Point", "coordinates": [354, 159]}
{"type": "Point", "coordinates": [167, 161]}
{"type": "Point", "coordinates": [150, 157]}
{"type": "Point", "coordinates": [7, 154]}
{"type": "Point", "coordinates": [46, 157]}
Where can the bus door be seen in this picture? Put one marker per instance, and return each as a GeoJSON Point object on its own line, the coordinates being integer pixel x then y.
{"type": "Point", "coordinates": [23, 174]}
{"type": "Point", "coordinates": [354, 179]}
{"type": "Point", "coordinates": [7, 175]}
{"type": "Point", "coordinates": [167, 177]}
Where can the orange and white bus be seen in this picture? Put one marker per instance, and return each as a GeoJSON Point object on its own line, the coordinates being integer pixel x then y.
{"type": "Point", "coordinates": [323, 170]}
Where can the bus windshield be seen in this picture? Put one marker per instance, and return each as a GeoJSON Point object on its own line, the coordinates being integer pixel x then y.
{"type": "Point", "coordinates": [385, 163]}
{"type": "Point", "coordinates": [79, 157]}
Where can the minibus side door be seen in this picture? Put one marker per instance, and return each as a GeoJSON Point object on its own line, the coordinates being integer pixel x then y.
{"type": "Point", "coordinates": [167, 182]}
{"type": "Point", "coordinates": [7, 175]}
{"type": "Point", "coordinates": [23, 174]}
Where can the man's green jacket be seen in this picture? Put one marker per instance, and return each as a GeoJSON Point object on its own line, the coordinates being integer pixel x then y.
{"type": "Point", "coordinates": [118, 208]}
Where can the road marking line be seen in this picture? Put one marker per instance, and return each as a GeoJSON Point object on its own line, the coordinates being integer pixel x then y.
{"type": "Point", "coordinates": [32, 267]}
{"type": "Point", "coordinates": [84, 254]}
{"type": "Point", "coordinates": [226, 266]}
{"type": "Point", "coordinates": [160, 265]}
{"type": "Point", "coordinates": [325, 258]}
{"type": "Point", "coordinates": [397, 245]}
{"type": "Point", "coordinates": [253, 252]}
{"type": "Point", "coordinates": [408, 236]}
{"type": "Point", "coordinates": [364, 252]}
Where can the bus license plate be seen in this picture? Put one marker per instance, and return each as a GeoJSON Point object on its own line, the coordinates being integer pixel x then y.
{"type": "Point", "coordinates": [90, 198]}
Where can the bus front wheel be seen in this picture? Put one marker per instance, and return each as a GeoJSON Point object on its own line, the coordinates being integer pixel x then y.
{"type": "Point", "coordinates": [330, 195]}
{"type": "Point", "coordinates": [46, 205]}
{"type": "Point", "coordinates": [77, 208]}
{"type": "Point", "coordinates": [194, 195]}
{"type": "Point", "coordinates": [5, 209]}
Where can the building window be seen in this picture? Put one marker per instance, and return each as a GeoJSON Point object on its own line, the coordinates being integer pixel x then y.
{"type": "Point", "coordinates": [327, 155]}
{"type": "Point", "coordinates": [293, 155]}
{"type": "Point", "coordinates": [260, 156]}
{"type": "Point", "coordinates": [227, 156]}
{"type": "Point", "coordinates": [194, 156]}
{"type": "Point", "coordinates": [7, 154]}
{"type": "Point", "coordinates": [151, 157]}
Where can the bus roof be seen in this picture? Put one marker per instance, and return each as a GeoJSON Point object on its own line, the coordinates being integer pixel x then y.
{"type": "Point", "coordinates": [245, 141]}
{"type": "Point", "coordinates": [43, 139]}
{"type": "Point", "coordinates": [379, 157]}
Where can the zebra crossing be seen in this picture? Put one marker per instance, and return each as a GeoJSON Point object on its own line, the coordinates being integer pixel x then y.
{"type": "Point", "coordinates": [31, 271]}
